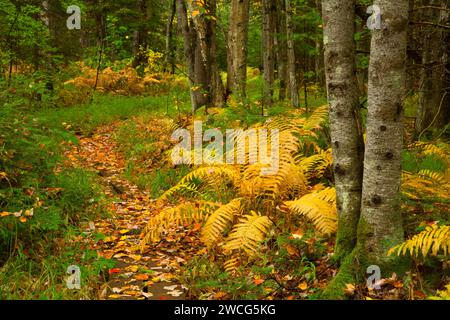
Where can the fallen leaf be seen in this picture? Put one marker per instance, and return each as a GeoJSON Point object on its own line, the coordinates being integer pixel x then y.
{"type": "Point", "coordinates": [303, 286]}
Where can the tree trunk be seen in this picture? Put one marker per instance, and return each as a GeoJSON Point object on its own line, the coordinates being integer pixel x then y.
{"type": "Point", "coordinates": [205, 24]}
{"type": "Point", "coordinates": [194, 63]}
{"type": "Point", "coordinates": [237, 42]}
{"type": "Point", "coordinates": [282, 56]}
{"type": "Point", "coordinates": [140, 36]}
{"type": "Point", "coordinates": [292, 72]}
{"type": "Point", "coordinates": [433, 99]}
{"type": "Point", "coordinates": [170, 45]}
{"type": "Point", "coordinates": [380, 226]}
{"type": "Point", "coordinates": [269, 12]}
{"type": "Point", "coordinates": [319, 58]}
{"type": "Point", "coordinates": [345, 120]}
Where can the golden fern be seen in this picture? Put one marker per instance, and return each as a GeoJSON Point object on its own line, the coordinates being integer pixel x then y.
{"type": "Point", "coordinates": [179, 215]}
{"type": "Point", "coordinates": [319, 207]}
{"type": "Point", "coordinates": [436, 177]}
{"type": "Point", "coordinates": [220, 220]}
{"type": "Point", "coordinates": [211, 175]}
{"type": "Point", "coordinates": [317, 164]}
{"type": "Point", "coordinates": [232, 264]}
{"type": "Point", "coordinates": [431, 241]}
{"type": "Point", "coordinates": [248, 233]}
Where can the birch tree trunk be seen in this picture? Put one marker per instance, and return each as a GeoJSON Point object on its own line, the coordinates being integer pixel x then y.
{"type": "Point", "coordinates": [345, 121]}
{"type": "Point", "coordinates": [237, 42]}
{"type": "Point", "coordinates": [380, 226]}
{"type": "Point", "coordinates": [291, 63]}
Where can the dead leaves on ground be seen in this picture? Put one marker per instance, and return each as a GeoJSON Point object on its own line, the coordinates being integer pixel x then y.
{"type": "Point", "coordinates": [118, 236]}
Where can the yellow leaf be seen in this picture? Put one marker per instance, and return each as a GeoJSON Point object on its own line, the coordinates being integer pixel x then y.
{"type": "Point", "coordinates": [195, 13]}
{"type": "Point", "coordinates": [23, 219]}
{"type": "Point", "coordinates": [303, 286]}
{"type": "Point", "coordinates": [124, 231]}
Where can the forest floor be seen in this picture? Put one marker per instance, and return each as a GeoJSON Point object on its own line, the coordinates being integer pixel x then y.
{"type": "Point", "coordinates": [138, 275]}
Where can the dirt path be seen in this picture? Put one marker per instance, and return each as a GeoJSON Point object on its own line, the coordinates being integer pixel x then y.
{"type": "Point", "coordinates": [149, 275]}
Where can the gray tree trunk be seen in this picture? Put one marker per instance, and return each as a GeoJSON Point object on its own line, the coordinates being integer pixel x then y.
{"type": "Point", "coordinates": [345, 121]}
{"type": "Point", "coordinates": [291, 63]}
{"type": "Point", "coordinates": [237, 42]}
{"type": "Point", "coordinates": [380, 226]}
{"type": "Point", "coordinates": [433, 99]}
{"type": "Point", "coordinates": [269, 12]}
{"type": "Point", "coordinates": [194, 63]}
{"type": "Point", "coordinates": [205, 25]}
{"type": "Point", "coordinates": [281, 47]}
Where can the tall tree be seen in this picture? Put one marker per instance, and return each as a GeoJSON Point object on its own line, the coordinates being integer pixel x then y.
{"type": "Point", "coordinates": [204, 17]}
{"type": "Point", "coordinates": [192, 52]}
{"type": "Point", "coordinates": [291, 62]}
{"type": "Point", "coordinates": [345, 120]}
{"type": "Point", "coordinates": [269, 12]}
{"type": "Point", "coordinates": [170, 44]}
{"type": "Point", "coordinates": [281, 48]}
{"type": "Point", "coordinates": [434, 96]}
{"type": "Point", "coordinates": [140, 35]}
{"type": "Point", "coordinates": [238, 46]}
{"type": "Point", "coordinates": [380, 225]}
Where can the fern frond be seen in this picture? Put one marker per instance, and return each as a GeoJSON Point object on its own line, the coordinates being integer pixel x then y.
{"type": "Point", "coordinates": [182, 214]}
{"type": "Point", "coordinates": [319, 207]}
{"type": "Point", "coordinates": [247, 234]}
{"type": "Point", "coordinates": [431, 241]}
{"type": "Point", "coordinates": [231, 265]}
{"type": "Point", "coordinates": [219, 221]}
{"type": "Point", "coordinates": [212, 175]}
{"type": "Point", "coordinates": [317, 164]}
{"type": "Point", "coordinates": [436, 177]}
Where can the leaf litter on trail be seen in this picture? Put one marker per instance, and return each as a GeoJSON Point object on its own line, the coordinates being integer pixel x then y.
{"type": "Point", "coordinates": [130, 210]}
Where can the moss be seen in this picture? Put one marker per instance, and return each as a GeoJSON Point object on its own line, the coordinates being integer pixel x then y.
{"type": "Point", "coordinates": [346, 275]}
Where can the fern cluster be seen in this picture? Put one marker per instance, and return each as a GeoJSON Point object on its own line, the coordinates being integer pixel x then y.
{"type": "Point", "coordinates": [238, 226]}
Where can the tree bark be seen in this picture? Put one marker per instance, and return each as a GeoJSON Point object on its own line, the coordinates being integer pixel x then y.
{"type": "Point", "coordinates": [194, 63]}
{"type": "Point", "coordinates": [203, 15]}
{"type": "Point", "coordinates": [237, 42]}
{"type": "Point", "coordinates": [269, 12]}
{"type": "Point", "coordinates": [170, 45]}
{"type": "Point", "coordinates": [140, 36]}
{"type": "Point", "coordinates": [345, 119]}
{"type": "Point", "coordinates": [291, 62]}
{"type": "Point", "coordinates": [380, 226]}
{"type": "Point", "coordinates": [433, 98]}
{"type": "Point", "coordinates": [282, 55]}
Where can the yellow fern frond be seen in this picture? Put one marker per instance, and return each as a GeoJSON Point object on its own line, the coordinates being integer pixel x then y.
{"type": "Point", "coordinates": [231, 265]}
{"type": "Point", "coordinates": [247, 234]}
{"type": "Point", "coordinates": [182, 214]}
{"type": "Point", "coordinates": [212, 175]}
{"type": "Point", "coordinates": [431, 241]}
{"type": "Point", "coordinates": [319, 207]}
{"type": "Point", "coordinates": [432, 175]}
{"type": "Point", "coordinates": [219, 221]}
{"type": "Point", "coordinates": [317, 164]}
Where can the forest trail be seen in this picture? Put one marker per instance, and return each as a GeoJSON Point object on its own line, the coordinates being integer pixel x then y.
{"type": "Point", "coordinates": [137, 275]}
